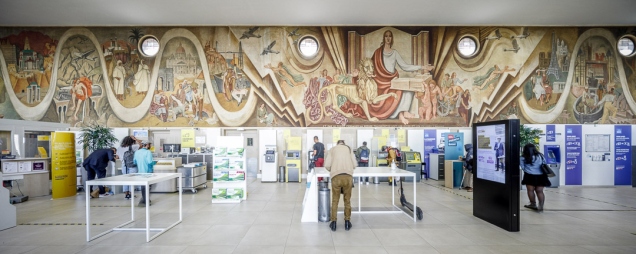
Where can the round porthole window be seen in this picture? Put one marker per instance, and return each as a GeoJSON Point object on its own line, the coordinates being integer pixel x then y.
{"type": "Point", "coordinates": [467, 46]}
{"type": "Point", "coordinates": [625, 45]}
{"type": "Point", "coordinates": [149, 46]}
{"type": "Point", "coordinates": [308, 46]}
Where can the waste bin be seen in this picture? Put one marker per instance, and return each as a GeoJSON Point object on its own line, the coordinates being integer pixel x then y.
{"type": "Point", "coordinates": [324, 205]}
{"type": "Point", "coordinates": [281, 174]}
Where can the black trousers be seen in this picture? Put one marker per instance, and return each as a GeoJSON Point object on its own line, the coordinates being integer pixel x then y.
{"type": "Point", "coordinates": [100, 173]}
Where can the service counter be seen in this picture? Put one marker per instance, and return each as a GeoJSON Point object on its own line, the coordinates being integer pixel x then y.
{"type": "Point", "coordinates": [32, 174]}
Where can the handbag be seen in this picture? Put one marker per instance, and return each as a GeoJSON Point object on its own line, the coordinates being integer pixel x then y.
{"type": "Point", "coordinates": [546, 169]}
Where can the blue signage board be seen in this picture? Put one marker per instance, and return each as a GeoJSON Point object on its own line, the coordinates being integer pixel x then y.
{"type": "Point", "coordinates": [573, 155]}
{"type": "Point", "coordinates": [622, 155]}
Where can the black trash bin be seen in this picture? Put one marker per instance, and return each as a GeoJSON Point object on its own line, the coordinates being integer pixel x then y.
{"type": "Point", "coordinates": [281, 174]}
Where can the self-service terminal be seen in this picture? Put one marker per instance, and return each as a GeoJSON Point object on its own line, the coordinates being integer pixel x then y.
{"type": "Point", "coordinates": [292, 166]}
{"type": "Point", "coordinates": [268, 167]}
{"type": "Point", "coordinates": [412, 162]}
{"type": "Point", "coordinates": [552, 154]}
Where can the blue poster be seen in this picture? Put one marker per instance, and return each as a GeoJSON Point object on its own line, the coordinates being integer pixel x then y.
{"type": "Point", "coordinates": [573, 155]}
{"type": "Point", "coordinates": [623, 155]}
{"type": "Point", "coordinates": [453, 145]}
{"type": "Point", "coordinates": [430, 143]}
{"type": "Point", "coordinates": [550, 133]}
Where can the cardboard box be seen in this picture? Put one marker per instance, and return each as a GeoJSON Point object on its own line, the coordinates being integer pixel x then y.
{"type": "Point", "coordinates": [220, 151]}
{"type": "Point", "coordinates": [234, 193]}
{"type": "Point", "coordinates": [237, 175]}
{"type": "Point", "coordinates": [221, 163]}
{"type": "Point", "coordinates": [218, 175]}
{"type": "Point", "coordinates": [219, 193]}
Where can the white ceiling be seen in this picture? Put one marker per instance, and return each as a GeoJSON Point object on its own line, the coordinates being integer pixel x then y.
{"type": "Point", "coordinates": [317, 12]}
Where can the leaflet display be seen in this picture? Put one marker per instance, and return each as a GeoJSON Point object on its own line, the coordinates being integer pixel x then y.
{"type": "Point", "coordinates": [491, 164]}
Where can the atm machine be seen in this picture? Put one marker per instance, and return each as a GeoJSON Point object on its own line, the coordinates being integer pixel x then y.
{"type": "Point", "coordinates": [412, 162]}
{"type": "Point", "coordinates": [552, 154]}
{"type": "Point", "coordinates": [381, 161]}
{"type": "Point", "coordinates": [268, 167]}
{"type": "Point", "coordinates": [293, 166]}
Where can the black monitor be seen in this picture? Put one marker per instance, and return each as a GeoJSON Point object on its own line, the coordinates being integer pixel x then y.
{"type": "Point", "coordinates": [171, 148]}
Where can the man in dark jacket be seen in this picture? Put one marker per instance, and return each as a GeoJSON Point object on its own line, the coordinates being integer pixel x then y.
{"type": "Point", "coordinates": [468, 167]}
{"type": "Point", "coordinates": [96, 163]}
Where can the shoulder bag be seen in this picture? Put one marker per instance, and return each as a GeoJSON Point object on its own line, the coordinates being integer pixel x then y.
{"type": "Point", "coordinates": [546, 169]}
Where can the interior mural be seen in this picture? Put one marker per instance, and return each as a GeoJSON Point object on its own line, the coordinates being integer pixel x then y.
{"type": "Point", "coordinates": [359, 76]}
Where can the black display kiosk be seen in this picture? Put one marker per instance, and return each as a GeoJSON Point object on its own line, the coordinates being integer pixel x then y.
{"type": "Point", "coordinates": [496, 173]}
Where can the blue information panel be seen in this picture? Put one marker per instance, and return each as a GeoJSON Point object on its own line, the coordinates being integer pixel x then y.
{"type": "Point", "coordinates": [623, 155]}
{"type": "Point", "coordinates": [573, 155]}
{"type": "Point", "coordinates": [550, 133]}
{"type": "Point", "coordinates": [430, 142]}
{"type": "Point", "coordinates": [453, 145]}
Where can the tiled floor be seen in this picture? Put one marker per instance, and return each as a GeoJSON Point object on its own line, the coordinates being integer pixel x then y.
{"type": "Point", "coordinates": [576, 220]}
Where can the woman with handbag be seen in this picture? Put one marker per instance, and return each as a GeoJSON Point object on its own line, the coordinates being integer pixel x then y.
{"type": "Point", "coordinates": [533, 177]}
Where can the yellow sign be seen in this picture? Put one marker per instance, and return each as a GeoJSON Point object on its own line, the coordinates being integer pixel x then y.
{"type": "Point", "coordinates": [43, 138]}
{"type": "Point", "coordinates": [336, 135]}
{"type": "Point", "coordinates": [385, 134]}
{"type": "Point", "coordinates": [401, 136]}
{"type": "Point", "coordinates": [187, 138]}
{"type": "Point", "coordinates": [294, 143]}
{"type": "Point", "coordinates": [286, 134]}
{"type": "Point", "coordinates": [381, 142]}
{"type": "Point", "coordinates": [42, 152]}
{"type": "Point", "coordinates": [63, 170]}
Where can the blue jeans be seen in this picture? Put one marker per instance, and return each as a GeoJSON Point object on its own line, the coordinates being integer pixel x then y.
{"type": "Point", "coordinates": [126, 170]}
{"type": "Point", "coordinates": [363, 164]}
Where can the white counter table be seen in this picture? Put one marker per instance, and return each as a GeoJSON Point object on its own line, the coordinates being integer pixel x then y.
{"type": "Point", "coordinates": [310, 203]}
{"type": "Point", "coordinates": [132, 180]}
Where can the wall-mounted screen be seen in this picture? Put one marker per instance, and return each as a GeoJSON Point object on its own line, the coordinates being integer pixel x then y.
{"type": "Point", "coordinates": [490, 157]}
{"type": "Point", "coordinates": [171, 148]}
{"type": "Point", "coordinates": [597, 143]}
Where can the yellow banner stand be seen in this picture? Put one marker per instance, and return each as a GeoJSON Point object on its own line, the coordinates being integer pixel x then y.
{"type": "Point", "coordinates": [63, 170]}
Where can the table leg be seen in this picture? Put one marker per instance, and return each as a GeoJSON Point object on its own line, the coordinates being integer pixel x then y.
{"type": "Point", "coordinates": [359, 200]}
{"type": "Point", "coordinates": [414, 201]}
{"type": "Point", "coordinates": [88, 212]}
{"type": "Point", "coordinates": [147, 200]}
{"type": "Point", "coordinates": [131, 188]}
{"type": "Point", "coordinates": [393, 191]}
{"type": "Point", "coordinates": [180, 198]}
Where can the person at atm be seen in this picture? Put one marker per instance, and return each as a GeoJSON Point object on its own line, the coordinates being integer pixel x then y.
{"type": "Point", "coordinates": [533, 177]}
{"type": "Point", "coordinates": [340, 163]}
{"type": "Point", "coordinates": [95, 165]}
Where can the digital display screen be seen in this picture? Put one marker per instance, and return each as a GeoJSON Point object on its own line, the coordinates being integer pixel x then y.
{"type": "Point", "coordinates": [410, 156]}
{"type": "Point", "coordinates": [171, 148]}
{"type": "Point", "coordinates": [490, 157]}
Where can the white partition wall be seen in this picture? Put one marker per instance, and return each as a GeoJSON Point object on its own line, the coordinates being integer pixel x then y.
{"type": "Point", "coordinates": [364, 135]}
{"type": "Point", "coordinates": [415, 140]}
{"type": "Point", "coordinates": [309, 142]}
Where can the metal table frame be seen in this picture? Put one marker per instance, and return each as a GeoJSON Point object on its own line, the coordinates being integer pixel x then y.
{"type": "Point", "coordinates": [360, 172]}
{"type": "Point", "coordinates": [132, 180]}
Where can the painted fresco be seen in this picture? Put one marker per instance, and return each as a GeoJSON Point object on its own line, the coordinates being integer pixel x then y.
{"type": "Point", "coordinates": [360, 76]}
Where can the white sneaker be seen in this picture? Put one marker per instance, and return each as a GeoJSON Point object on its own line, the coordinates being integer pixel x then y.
{"type": "Point", "coordinates": [104, 195]}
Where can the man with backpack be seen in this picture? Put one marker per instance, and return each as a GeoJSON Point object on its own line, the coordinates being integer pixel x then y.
{"type": "Point", "coordinates": [362, 155]}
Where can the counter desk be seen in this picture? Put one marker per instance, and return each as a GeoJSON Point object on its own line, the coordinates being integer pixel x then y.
{"type": "Point", "coordinates": [34, 173]}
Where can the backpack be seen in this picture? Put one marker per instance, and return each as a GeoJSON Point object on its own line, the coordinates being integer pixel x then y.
{"type": "Point", "coordinates": [129, 157]}
{"type": "Point", "coordinates": [398, 155]}
{"type": "Point", "coordinates": [364, 155]}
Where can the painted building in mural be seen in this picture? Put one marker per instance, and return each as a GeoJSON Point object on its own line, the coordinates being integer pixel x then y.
{"type": "Point", "coordinates": [360, 76]}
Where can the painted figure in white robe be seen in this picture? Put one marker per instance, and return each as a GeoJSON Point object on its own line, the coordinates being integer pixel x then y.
{"type": "Point", "coordinates": [142, 78]}
{"type": "Point", "coordinates": [119, 75]}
